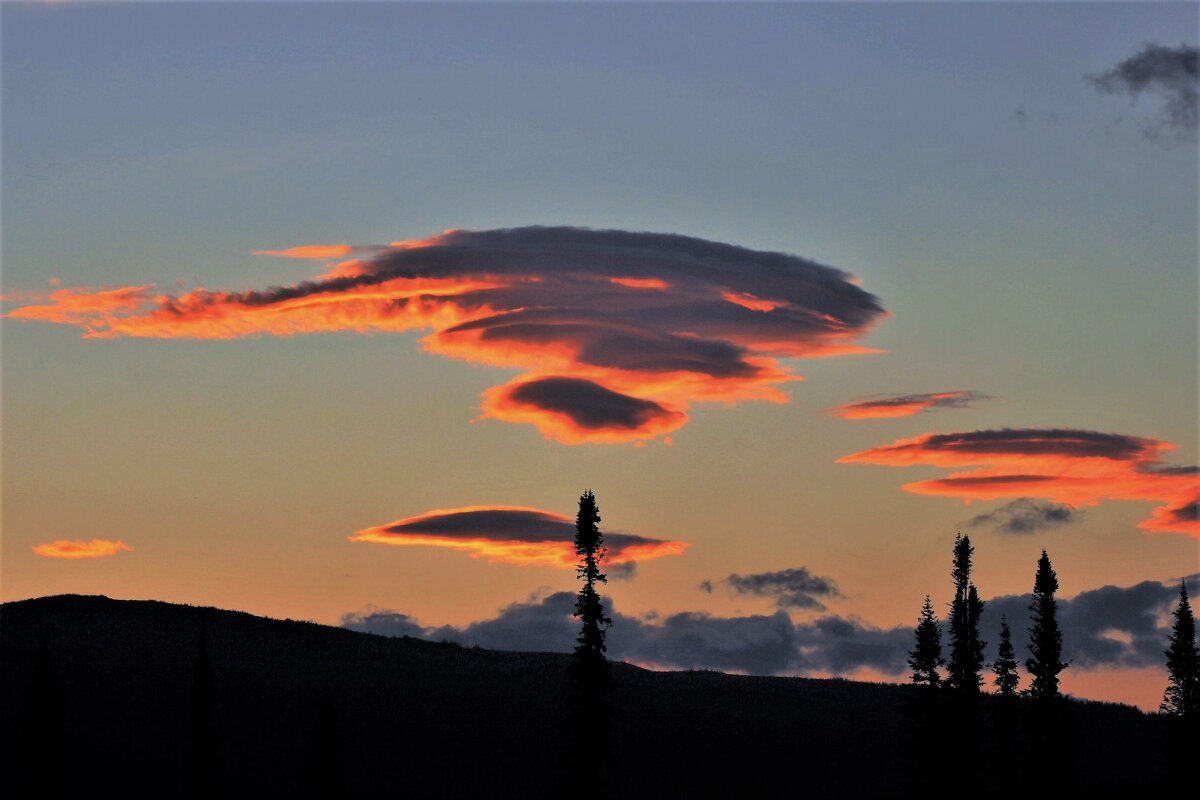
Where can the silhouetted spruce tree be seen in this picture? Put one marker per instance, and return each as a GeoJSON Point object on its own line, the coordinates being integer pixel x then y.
{"type": "Point", "coordinates": [1182, 697]}
{"type": "Point", "coordinates": [1005, 666]}
{"type": "Point", "coordinates": [1045, 639]}
{"type": "Point", "coordinates": [1181, 700]}
{"type": "Point", "coordinates": [926, 655]}
{"type": "Point", "coordinates": [588, 738]}
{"type": "Point", "coordinates": [966, 648]}
{"type": "Point", "coordinates": [590, 665]}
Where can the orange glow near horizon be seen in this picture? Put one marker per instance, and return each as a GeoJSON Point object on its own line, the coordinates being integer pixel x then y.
{"type": "Point", "coordinates": [1080, 468]}
{"type": "Point", "coordinates": [511, 535]}
{"type": "Point", "coordinates": [67, 549]}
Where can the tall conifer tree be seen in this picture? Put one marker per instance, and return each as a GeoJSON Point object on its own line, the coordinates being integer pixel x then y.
{"type": "Point", "coordinates": [1005, 666]}
{"type": "Point", "coordinates": [926, 655]}
{"type": "Point", "coordinates": [590, 663]}
{"type": "Point", "coordinates": [1182, 697]}
{"type": "Point", "coordinates": [966, 648]}
{"type": "Point", "coordinates": [1045, 639]}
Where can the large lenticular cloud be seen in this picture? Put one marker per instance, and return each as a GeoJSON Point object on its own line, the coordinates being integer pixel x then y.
{"type": "Point", "coordinates": [1077, 467]}
{"type": "Point", "coordinates": [512, 535]}
{"type": "Point", "coordinates": [617, 333]}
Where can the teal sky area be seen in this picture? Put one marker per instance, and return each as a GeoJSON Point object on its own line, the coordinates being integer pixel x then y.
{"type": "Point", "coordinates": [1027, 238]}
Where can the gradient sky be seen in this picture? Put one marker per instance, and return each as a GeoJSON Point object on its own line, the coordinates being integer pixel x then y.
{"type": "Point", "coordinates": [1029, 242]}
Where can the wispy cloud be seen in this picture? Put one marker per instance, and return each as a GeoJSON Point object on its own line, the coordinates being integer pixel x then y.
{"type": "Point", "coordinates": [906, 405]}
{"type": "Point", "coordinates": [514, 535]}
{"type": "Point", "coordinates": [1077, 467]}
{"type": "Point", "coordinates": [96, 548]}
{"type": "Point", "coordinates": [616, 333]}
{"type": "Point", "coordinates": [794, 588]}
{"type": "Point", "coordinates": [1027, 515]}
{"type": "Point", "coordinates": [1169, 73]}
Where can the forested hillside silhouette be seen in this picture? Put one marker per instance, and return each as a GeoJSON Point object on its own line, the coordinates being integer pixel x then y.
{"type": "Point", "coordinates": [104, 696]}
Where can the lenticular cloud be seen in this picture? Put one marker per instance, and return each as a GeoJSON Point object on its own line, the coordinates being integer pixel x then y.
{"type": "Point", "coordinates": [1077, 467]}
{"type": "Point", "coordinates": [512, 535]}
{"type": "Point", "coordinates": [616, 333]}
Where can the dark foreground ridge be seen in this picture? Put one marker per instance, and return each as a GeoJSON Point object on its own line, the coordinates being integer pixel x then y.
{"type": "Point", "coordinates": [142, 698]}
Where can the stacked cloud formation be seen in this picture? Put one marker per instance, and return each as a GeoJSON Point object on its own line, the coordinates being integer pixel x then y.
{"type": "Point", "coordinates": [1077, 467]}
{"type": "Point", "coordinates": [617, 333]}
{"type": "Point", "coordinates": [513, 535]}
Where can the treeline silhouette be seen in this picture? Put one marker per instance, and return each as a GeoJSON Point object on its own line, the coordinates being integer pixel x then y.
{"type": "Point", "coordinates": [141, 698]}
{"type": "Point", "coordinates": [1022, 735]}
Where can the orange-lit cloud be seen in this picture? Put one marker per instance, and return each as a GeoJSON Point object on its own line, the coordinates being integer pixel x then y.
{"type": "Point", "coordinates": [574, 410]}
{"type": "Point", "coordinates": [512, 535]}
{"type": "Point", "coordinates": [906, 405]}
{"type": "Point", "coordinates": [96, 548]}
{"type": "Point", "coordinates": [1077, 467]}
{"type": "Point", "coordinates": [640, 283]}
{"type": "Point", "coordinates": [617, 333]}
{"type": "Point", "coordinates": [310, 251]}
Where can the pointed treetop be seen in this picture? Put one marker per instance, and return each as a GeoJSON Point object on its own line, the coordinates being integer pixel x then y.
{"type": "Point", "coordinates": [1046, 581]}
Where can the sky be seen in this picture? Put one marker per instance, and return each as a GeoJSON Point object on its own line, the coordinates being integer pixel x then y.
{"type": "Point", "coordinates": [332, 311]}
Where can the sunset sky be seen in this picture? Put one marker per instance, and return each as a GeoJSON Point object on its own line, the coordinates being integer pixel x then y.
{"type": "Point", "coordinates": [332, 311]}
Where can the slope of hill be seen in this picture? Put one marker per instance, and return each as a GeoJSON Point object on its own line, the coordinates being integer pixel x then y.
{"type": "Point", "coordinates": [100, 695]}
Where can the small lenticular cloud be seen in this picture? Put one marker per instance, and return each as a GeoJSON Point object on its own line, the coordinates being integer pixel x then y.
{"type": "Point", "coordinates": [96, 548]}
{"type": "Point", "coordinates": [514, 535]}
{"type": "Point", "coordinates": [1076, 467]}
{"type": "Point", "coordinates": [906, 405]}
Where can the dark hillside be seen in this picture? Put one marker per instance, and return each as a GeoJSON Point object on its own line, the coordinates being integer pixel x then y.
{"type": "Point", "coordinates": [99, 697]}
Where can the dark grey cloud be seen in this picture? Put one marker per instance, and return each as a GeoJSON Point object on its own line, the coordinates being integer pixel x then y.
{"type": "Point", "coordinates": [755, 644]}
{"type": "Point", "coordinates": [1069, 442]}
{"type": "Point", "coordinates": [789, 588]}
{"type": "Point", "coordinates": [588, 405]}
{"type": "Point", "coordinates": [1169, 73]}
{"type": "Point", "coordinates": [1188, 512]}
{"type": "Point", "coordinates": [384, 623]}
{"type": "Point", "coordinates": [622, 571]}
{"type": "Point", "coordinates": [1027, 515]}
{"type": "Point", "coordinates": [1111, 626]}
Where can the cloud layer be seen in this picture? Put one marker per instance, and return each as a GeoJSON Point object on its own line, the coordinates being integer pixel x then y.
{"type": "Point", "coordinates": [1107, 627]}
{"type": "Point", "coordinates": [515, 535]}
{"type": "Point", "coordinates": [756, 644]}
{"type": "Point", "coordinates": [1026, 515]}
{"type": "Point", "coordinates": [1077, 467]}
{"type": "Point", "coordinates": [1167, 72]}
{"type": "Point", "coordinates": [790, 588]}
{"type": "Point", "coordinates": [616, 333]}
{"type": "Point", "coordinates": [906, 405]}
{"type": "Point", "coordinates": [96, 548]}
